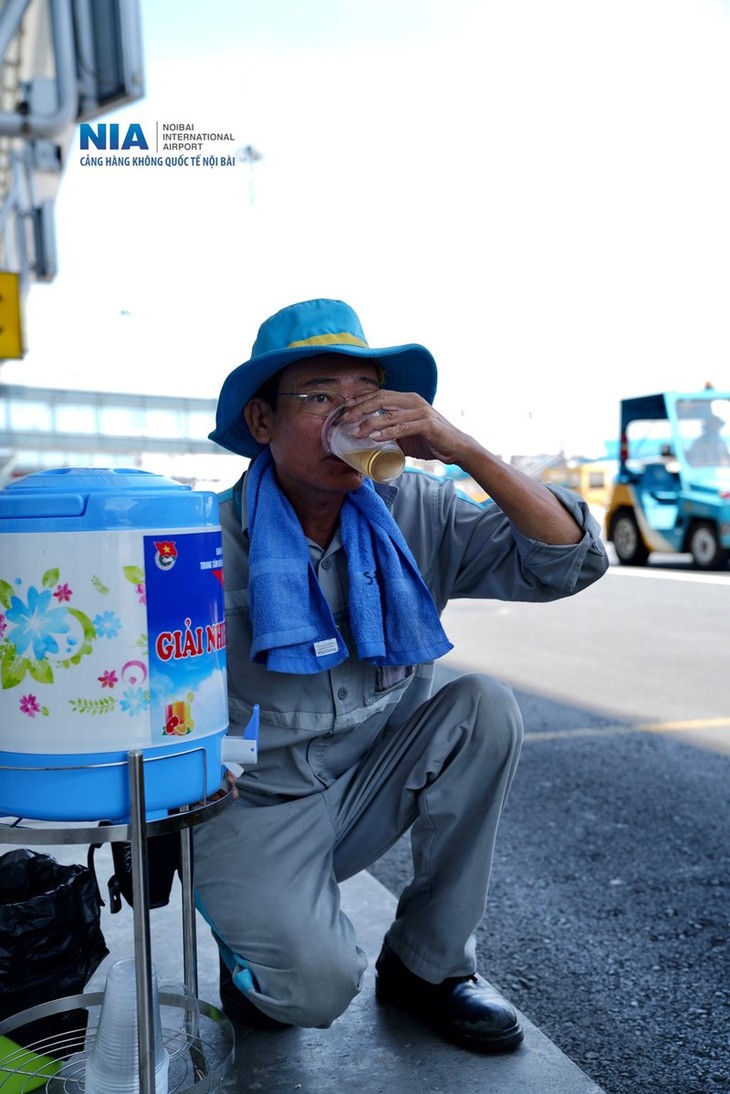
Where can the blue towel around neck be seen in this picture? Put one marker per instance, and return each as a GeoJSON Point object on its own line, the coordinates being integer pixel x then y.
{"type": "Point", "coordinates": [392, 614]}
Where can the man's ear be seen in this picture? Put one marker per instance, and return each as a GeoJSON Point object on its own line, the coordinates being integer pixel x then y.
{"type": "Point", "coordinates": [257, 415]}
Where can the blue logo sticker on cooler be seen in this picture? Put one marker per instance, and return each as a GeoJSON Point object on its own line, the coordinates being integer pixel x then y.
{"type": "Point", "coordinates": [186, 633]}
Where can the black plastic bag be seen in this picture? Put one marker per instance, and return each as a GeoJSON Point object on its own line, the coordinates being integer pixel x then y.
{"type": "Point", "coordinates": [50, 939]}
{"type": "Point", "coordinates": [163, 862]}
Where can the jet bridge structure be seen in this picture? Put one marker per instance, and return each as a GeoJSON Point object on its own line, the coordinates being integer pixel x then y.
{"type": "Point", "coordinates": [61, 62]}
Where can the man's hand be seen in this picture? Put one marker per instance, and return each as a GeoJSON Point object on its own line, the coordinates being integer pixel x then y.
{"type": "Point", "coordinates": [408, 419]}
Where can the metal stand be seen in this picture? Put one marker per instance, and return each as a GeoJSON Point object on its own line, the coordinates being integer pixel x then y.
{"type": "Point", "coordinates": [136, 833]}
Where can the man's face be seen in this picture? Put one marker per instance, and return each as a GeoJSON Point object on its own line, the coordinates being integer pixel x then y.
{"type": "Point", "coordinates": [295, 435]}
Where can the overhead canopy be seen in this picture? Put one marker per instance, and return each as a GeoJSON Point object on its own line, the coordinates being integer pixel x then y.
{"type": "Point", "coordinates": [644, 407]}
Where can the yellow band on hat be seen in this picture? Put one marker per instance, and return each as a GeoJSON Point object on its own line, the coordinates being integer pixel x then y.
{"type": "Point", "coordinates": [329, 340]}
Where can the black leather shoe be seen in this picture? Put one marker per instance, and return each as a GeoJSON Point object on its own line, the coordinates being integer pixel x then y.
{"type": "Point", "coordinates": [239, 1007]}
{"type": "Point", "coordinates": [463, 1009]}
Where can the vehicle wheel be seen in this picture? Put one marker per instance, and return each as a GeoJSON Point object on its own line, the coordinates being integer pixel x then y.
{"type": "Point", "coordinates": [707, 554]}
{"type": "Point", "coordinates": [628, 542]}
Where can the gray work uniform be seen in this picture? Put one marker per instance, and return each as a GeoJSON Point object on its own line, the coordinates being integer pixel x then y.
{"type": "Point", "coordinates": [352, 757]}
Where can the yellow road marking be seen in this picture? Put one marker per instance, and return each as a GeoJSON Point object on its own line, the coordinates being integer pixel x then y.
{"type": "Point", "coordinates": [631, 727]}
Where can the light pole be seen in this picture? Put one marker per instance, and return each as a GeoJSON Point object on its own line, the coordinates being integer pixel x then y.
{"type": "Point", "coordinates": [251, 156]}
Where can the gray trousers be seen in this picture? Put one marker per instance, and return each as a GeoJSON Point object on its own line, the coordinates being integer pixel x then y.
{"type": "Point", "coordinates": [267, 878]}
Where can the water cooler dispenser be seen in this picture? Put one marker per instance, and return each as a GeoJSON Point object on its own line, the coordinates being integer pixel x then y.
{"type": "Point", "coordinates": [112, 638]}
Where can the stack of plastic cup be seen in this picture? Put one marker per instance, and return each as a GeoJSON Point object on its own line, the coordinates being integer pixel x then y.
{"type": "Point", "coordinates": [113, 1063]}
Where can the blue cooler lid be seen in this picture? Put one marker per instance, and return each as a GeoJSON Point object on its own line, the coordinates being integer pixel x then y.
{"type": "Point", "coordinates": [88, 499]}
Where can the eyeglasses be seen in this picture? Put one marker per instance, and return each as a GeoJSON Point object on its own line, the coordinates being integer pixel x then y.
{"type": "Point", "coordinates": [319, 403]}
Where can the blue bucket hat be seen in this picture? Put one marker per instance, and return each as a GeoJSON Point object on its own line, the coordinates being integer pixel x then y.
{"type": "Point", "coordinates": [308, 330]}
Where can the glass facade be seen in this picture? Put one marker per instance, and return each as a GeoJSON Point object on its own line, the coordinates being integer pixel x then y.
{"type": "Point", "coordinates": [42, 428]}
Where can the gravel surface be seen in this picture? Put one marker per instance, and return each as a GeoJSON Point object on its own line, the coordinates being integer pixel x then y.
{"type": "Point", "coordinates": [609, 907]}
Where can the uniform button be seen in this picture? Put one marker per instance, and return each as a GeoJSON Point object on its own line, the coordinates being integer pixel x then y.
{"type": "Point", "coordinates": [326, 564]}
{"type": "Point", "coordinates": [342, 693]}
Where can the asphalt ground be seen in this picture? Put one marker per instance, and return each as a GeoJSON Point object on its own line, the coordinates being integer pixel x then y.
{"type": "Point", "coordinates": [607, 919]}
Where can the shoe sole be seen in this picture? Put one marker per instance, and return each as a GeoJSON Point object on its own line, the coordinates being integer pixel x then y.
{"type": "Point", "coordinates": [506, 1042]}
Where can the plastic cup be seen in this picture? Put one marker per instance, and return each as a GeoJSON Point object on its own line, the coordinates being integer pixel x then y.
{"type": "Point", "coordinates": [381, 460]}
{"type": "Point", "coordinates": [113, 1063]}
{"type": "Point", "coordinates": [179, 1018]}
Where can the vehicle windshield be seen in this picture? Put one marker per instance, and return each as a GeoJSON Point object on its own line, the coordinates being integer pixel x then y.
{"type": "Point", "coordinates": [698, 435]}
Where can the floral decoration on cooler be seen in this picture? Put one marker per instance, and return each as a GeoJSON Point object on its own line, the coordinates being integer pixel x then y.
{"type": "Point", "coordinates": [42, 633]}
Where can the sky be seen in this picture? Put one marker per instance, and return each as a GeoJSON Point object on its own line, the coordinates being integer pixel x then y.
{"type": "Point", "coordinates": [536, 190]}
